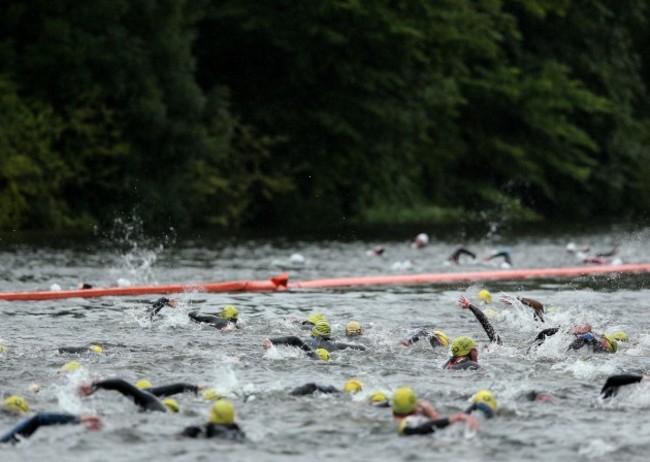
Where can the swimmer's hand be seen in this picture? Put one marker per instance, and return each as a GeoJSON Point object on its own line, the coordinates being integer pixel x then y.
{"type": "Point", "coordinates": [266, 344]}
{"type": "Point", "coordinates": [229, 327]}
{"type": "Point", "coordinates": [85, 388]}
{"type": "Point", "coordinates": [581, 329]}
{"type": "Point", "coordinates": [464, 302]}
{"type": "Point", "coordinates": [470, 420]}
{"type": "Point", "coordinates": [92, 422]}
{"type": "Point", "coordinates": [507, 298]}
{"type": "Point", "coordinates": [406, 342]}
{"type": "Point", "coordinates": [426, 409]}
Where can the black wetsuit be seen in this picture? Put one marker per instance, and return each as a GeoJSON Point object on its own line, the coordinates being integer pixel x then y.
{"type": "Point", "coordinates": [28, 426]}
{"type": "Point", "coordinates": [230, 432]}
{"type": "Point", "coordinates": [454, 257]}
{"type": "Point", "coordinates": [433, 340]}
{"type": "Point", "coordinates": [314, 343]}
{"type": "Point", "coordinates": [505, 255]}
{"type": "Point", "coordinates": [311, 388]}
{"type": "Point", "coordinates": [419, 425]}
{"type": "Point", "coordinates": [78, 350]}
{"type": "Point", "coordinates": [489, 330]}
{"type": "Point", "coordinates": [592, 340]}
{"type": "Point", "coordinates": [212, 320]}
{"type": "Point", "coordinates": [481, 407]}
{"type": "Point", "coordinates": [535, 305]}
{"type": "Point", "coordinates": [157, 306]}
{"type": "Point", "coordinates": [613, 382]}
{"type": "Point", "coordinates": [459, 363]}
{"type": "Point", "coordinates": [146, 400]}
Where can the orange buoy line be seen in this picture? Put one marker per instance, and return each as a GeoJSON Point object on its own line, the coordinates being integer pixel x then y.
{"type": "Point", "coordinates": [282, 282]}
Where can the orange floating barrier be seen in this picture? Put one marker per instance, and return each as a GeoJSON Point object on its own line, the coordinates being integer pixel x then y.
{"type": "Point", "coordinates": [281, 282]}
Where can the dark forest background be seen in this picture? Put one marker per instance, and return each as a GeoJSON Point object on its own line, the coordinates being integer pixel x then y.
{"type": "Point", "coordinates": [239, 114]}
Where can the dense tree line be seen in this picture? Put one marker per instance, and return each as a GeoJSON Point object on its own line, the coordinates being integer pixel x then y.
{"type": "Point", "coordinates": [250, 113]}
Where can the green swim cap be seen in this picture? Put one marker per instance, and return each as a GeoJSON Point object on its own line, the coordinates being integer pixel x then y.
{"type": "Point", "coordinates": [212, 395]}
{"type": "Point", "coordinates": [485, 295]}
{"type": "Point", "coordinates": [321, 329]}
{"type": "Point", "coordinates": [96, 348]}
{"type": "Point", "coordinates": [323, 354]}
{"type": "Point", "coordinates": [143, 384]}
{"type": "Point", "coordinates": [404, 401]}
{"type": "Point", "coordinates": [70, 367]}
{"type": "Point", "coordinates": [16, 404]}
{"type": "Point", "coordinates": [353, 328]}
{"type": "Point", "coordinates": [172, 405]}
{"type": "Point", "coordinates": [377, 397]}
{"type": "Point", "coordinates": [486, 397]}
{"type": "Point", "coordinates": [442, 337]}
{"type": "Point", "coordinates": [316, 318]}
{"type": "Point", "coordinates": [620, 336]}
{"type": "Point", "coordinates": [613, 344]}
{"type": "Point", "coordinates": [352, 386]}
{"type": "Point", "coordinates": [462, 346]}
{"type": "Point", "coordinates": [222, 412]}
{"type": "Point", "coordinates": [229, 312]}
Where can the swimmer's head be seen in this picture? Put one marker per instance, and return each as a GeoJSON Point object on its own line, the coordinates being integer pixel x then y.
{"type": "Point", "coordinates": [96, 348]}
{"type": "Point", "coordinates": [222, 412]}
{"type": "Point", "coordinates": [172, 405]}
{"type": "Point", "coordinates": [72, 366]}
{"type": "Point", "coordinates": [316, 318]}
{"type": "Point", "coordinates": [378, 398]}
{"type": "Point", "coordinates": [613, 344]}
{"type": "Point", "coordinates": [620, 336]}
{"type": "Point", "coordinates": [486, 397]}
{"type": "Point", "coordinates": [462, 346]}
{"type": "Point", "coordinates": [17, 404]}
{"type": "Point", "coordinates": [321, 329]}
{"type": "Point", "coordinates": [212, 395]}
{"type": "Point", "coordinates": [485, 295]}
{"type": "Point", "coordinates": [353, 328]}
{"type": "Point", "coordinates": [323, 354]}
{"type": "Point", "coordinates": [229, 312]}
{"type": "Point", "coordinates": [352, 386]}
{"type": "Point", "coordinates": [404, 401]}
{"type": "Point", "coordinates": [2, 348]}
{"type": "Point", "coordinates": [143, 385]}
{"type": "Point", "coordinates": [441, 337]}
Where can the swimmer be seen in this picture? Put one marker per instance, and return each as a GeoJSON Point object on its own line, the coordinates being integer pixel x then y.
{"type": "Point", "coordinates": [320, 338]}
{"type": "Point", "coordinates": [224, 321]}
{"type": "Point", "coordinates": [27, 427]}
{"type": "Point", "coordinates": [379, 399]}
{"type": "Point", "coordinates": [376, 251]}
{"type": "Point", "coordinates": [420, 241]}
{"type": "Point", "coordinates": [16, 405]}
{"type": "Point", "coordinates": [436, 338]}
{"type": "Point", "coordinates": [310, 322]}
{"type": "Point", "coordinates": [464, 303]}
{"type": "Point", "coordinates": [354, 332]}
{"type": "Point", "coordinates": [483, 402]}
{"type": "Point", "coordinates": [352, 386]}
{"type": "Point", "coordinates": [507, 261]}
{"type": "Point", "coordinates": [92, 348]}
{"type": "Point", "coordinates": [159, 305]}
{"type": "Point", "coordinates": [613, 383]}
{"type": "Point", "coordinates": [464, 355]}
{"type": "Point", "coordinates": [534, 304]}
{"type": "Point", "coordinates": [454, 258]}
{"type": "Point", "coordinates": [418, 417]}
{"type": "Point", "coordinates": [221, 425]}
{"type": "Point", "coordinates": [145, 398]}
{"type": "Point", "coordinates": [535, 395]}
{"type": "Point", "coordinates": [605, 343]}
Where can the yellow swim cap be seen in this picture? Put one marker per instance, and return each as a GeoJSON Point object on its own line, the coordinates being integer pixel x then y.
{"type": "Point", "coordinates": [316, 318]}
{"type": "Point", "coordinates": [96, 348]}
{"type": "Point", "coordinates": [229, 312]}
{"type": "Point", "coordinates": [352, 386]}
{"type": "Point", "coordinates": [485, 295]}
{"type": "Point", "coordinates": [143, 384]}
{"type": "Point", "coordinates": [222, 412]}
{"type": "Point", "coordinates": [353, 328]}
{"type": "Point", "coordinates": [212, 395]}
{"type": "Point", "coordinates": [172, 404]}
{"type": "Point", "coordinates": [404, 401]}
{"type": "Point", "coordinates": [321, 329]}
{"type": "Point", "coordinates": [444, 340]}
{"type": "Point", "coordinates": [462, 346]}
{"type": "Point", "coordinates": [323, 354]}
{"type": "Point", "coordinates": [16, 404]}
{"type": "Point", "coordinates": [70, 367]}
{"type": "Point", "coordinates": [377, 397]}
{"type": "Point", "coordinates": [486, 397]}
{"type": "Point", "coordinates": [2, 348]}
{"type": "Point", "coordinates": [620, 336]}
{"type": "Point", "coordinates": [613, 344]}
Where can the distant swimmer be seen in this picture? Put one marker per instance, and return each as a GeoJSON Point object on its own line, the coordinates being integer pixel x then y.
{"type": "Point", "coordinates": [221, 424]}
{"type": "Point", "coordinates": [537, 306]}
{"type": "Point", "coordinates": [610, 389]}
{"type": "Point", "coordinates": [15, 405]}
{"type": "Point", "coordinates": [310, 322]}
{"type": "Point", "coordinates": [415, 417]}
{"type": "Point", "coordinates": [27, 427]}
{"type": "Point", "coordinates": [535, 395]}
{"type": "Point", "coordinates": [352, 386]}
{"type": "Point", "coordinates": [507, 261]}
{"type": "Point", "coordinates": [582, 254]}
{"type": "Point", "coordinates": [483, 403]}
{"type": "Point", "coordinates": [464, 303]}
{"type": "Point", "coordinates": [455, 257]}
{"type": "Point", "coordinates": [354, 332]}
{"type": "Point", "coordinates": [145, 398]}
{"type": "Point", "coordinates": [376, 251]}
{"type": "Point", "coordinates": [226, 320]}
{"type": "Point", "coordinates": [320, 338]}
{"type": "Point", "coordinates": [420, 241]}
{"type": "Point", "coordinates": [605, 343]}
{"type": "Point", "coordinates": [436, 338]}
{"type": "Point", "coordinates": [92, 348]}
{"type": "Point", "coordinates": [159, 305]}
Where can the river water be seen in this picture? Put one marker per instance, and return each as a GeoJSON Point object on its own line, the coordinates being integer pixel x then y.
{"type": "Point", "coordinates": [576, 426]}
